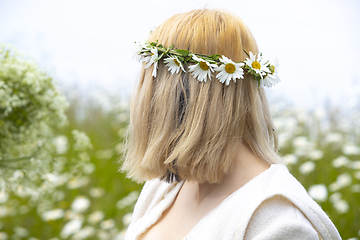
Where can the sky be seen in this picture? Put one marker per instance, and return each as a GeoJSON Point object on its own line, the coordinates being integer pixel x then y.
{"type": "Point", "coordinates": [89, 44]}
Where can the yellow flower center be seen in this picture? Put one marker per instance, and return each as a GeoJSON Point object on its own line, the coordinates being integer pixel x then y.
{"type": "Point", "coordinates": [176, 62]}
{"type": "Point", "coordinates": [203, 66]}
{"type": "Point", "coordinates": [256, 65]}
{"type": "Point", "coordinates": [272, 69]}
{"type": "Point", "coordinates": [152, 54]}
{"type": "Point", "coordinates": [230, 68]}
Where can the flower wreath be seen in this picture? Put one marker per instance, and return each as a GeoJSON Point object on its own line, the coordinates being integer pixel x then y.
{"type": "Point", "coordinates": [204, 65]}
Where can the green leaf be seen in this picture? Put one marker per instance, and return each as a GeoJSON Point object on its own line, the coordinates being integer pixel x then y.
{"type": "Point", "coordinates": [182, 52]}
{"type": "Point", "coordinates": [215, 56]}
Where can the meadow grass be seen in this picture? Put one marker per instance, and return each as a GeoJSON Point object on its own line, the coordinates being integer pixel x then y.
{"type": "Point", "coordinates": [320, 149]}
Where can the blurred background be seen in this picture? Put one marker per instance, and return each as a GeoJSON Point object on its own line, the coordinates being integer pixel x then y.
{"type": "Point", "coordinates": [80, 42]}
{"type": "Point", "coordinates": [82, 51]}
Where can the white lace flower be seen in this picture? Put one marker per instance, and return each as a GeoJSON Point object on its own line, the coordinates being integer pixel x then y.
{"type": "Point", "coordinates": [174, 64]}
{"type": "Point", "coordinates": [258, 65]}
{"type": "Point", "coordinates": [202, 70]}
{"type": "Point", "coordinates": [229, 70]}
{"type": "Point", "coordinates": [150, 58]}
{"type": "Point", "coordinates": [272, 78]}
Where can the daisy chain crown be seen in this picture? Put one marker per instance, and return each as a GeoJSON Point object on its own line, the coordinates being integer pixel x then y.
{"type": "Point", "coordinates": [263, 71]}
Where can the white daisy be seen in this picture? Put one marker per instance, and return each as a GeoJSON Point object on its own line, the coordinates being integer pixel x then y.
{"type": "Point", "coordinates": [272, 78]}
{"type": "Point", "coordinates": [202, 69]}
{"type": "Point", "coordinates": [150, 58]}
{"type": "Point", "coordinates": [174, 64]}
{"type": "Point", "coordinates": [229, 70]}
{"type": "Point", "coordinates": [257, 64]}
{"type": "Point", "coordinates": [140, 48]}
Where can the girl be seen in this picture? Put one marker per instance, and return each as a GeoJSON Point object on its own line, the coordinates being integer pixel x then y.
{"type": "Point", "coordinates": [202, 137]}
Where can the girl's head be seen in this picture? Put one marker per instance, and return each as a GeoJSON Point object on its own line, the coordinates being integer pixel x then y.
{"type": "Point", "coordinates": [183, 128]}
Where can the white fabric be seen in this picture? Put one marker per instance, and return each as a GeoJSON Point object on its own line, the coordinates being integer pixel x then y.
{"type": "Point", "coordinates": [273, 205]}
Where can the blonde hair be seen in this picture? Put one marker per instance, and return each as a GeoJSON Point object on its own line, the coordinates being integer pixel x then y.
{"type": "Point", "coordinates": [181, 128]}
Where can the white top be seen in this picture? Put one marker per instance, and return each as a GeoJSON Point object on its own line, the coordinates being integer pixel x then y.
{"type": "Point", "coordinates": [273, 205]}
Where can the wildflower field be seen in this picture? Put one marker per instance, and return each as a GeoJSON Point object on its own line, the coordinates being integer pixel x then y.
{"type": "Point", "coordinates": [59, 158]}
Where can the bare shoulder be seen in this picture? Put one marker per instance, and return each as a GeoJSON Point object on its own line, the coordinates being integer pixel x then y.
{"type": "Point", "coordinates": [278, 218]}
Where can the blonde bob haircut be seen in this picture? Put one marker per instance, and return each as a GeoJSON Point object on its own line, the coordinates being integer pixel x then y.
{"type": "Point", "coordinates": [183, 129]}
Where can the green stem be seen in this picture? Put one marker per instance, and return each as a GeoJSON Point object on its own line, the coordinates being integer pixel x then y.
{"type": "Point", "coordinates": [246, 53]}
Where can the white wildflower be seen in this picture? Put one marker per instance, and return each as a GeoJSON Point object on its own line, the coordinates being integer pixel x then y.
{"type": "Point", "coordinates": [18, 174]}
{"type": "Point", "coordinates": [89, 168]}
{"type": "Point", "coordinates": [150, 58]}
{"type": "Point", "coordinates": [300, 142]}
{"type": "Point", "coordinates": [340, 161]}
{"type": "Point", "coordinates": [120, 235]}
{"type": "Point", "coordinates": [4, 196]}
{"type": "Point", "coordinates": [96, 192]}
{"type": "Point", "coordinates": [103, 235]}
{"type": "Point", "coordinates": [307, 167]}
{"type": "Point", "coordinates": [257, 64]}
{"type": "Point", "coordinates": [61, 143]}
{"type": "Point", "coordinates": [316, 154]}
{"type": "Point", "coordinates": [202, 69]}
{"type": "Point", "coordinates": [78, 182]}
{"type": "Point", "coordinates": [127, 219]}
{"type": "Point", "coordinates": [70, 228]}
{"type": "Point", "coordinates": [96, 217]}
{"type": "Point", "coordinates": [3, 236]}
{"type": "Point", "coordinates": [82, 141]}
{"type": "Point", "coordinates": [22, 191]}
{"type": "Point", "coordinates": [174, 64]}
{"type": "Point", "coordinates": [333, 138]}
{"type": "Point", "coordinates": [335, 197]}
{"type": "Point", "coordinates": [318, 192]}
{"type": "Point", "coordinates": [355, 188]}
{"type": "Point", "coordinates": [80, 204]}
{"type": "Point", "coordinates": [70, 215]}
{"type": "Point", "coordinates": [140, 48]}
{"type": "Point", "coordinates": [85, 233]}
{"type": "Point", "coordinates": [107, 224]}
{"type": "Point", "coordinates": [273, 77]}
{"type": "Point", "coordinates": [357, 175]}
{"type": "Point", "coordinates": [54, 179]}
{"type": "Point", "coordinates": [284, 138]}
{"type": "Point", "coordinates": [334, 187]}
{"type": "Point", "coordinates": [229, 70]}
{"type": "Point", "coordinates": [341, 206]}
{"type": "Point", "coordinates": [290, 159]}
{"type": "Point", "coordinates": [351, 149]}
{"type": "Point", "coordinates": [344, 180]}
{"type": "Point", "coordinates": [354, 165]}
{"type": "Point", "coordinates": [21, 232]}
{"type": "Point", "coordinates": [4, 211]}
{"type": "Point", "coordinates": [51, 215]}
